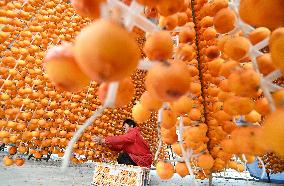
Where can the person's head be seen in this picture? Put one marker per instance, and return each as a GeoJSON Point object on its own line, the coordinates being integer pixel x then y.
{"type": "Point", "coordinates": [128, 123]}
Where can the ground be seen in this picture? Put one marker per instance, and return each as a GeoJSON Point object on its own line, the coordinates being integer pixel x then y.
{"type": "Point", "coordinates": [34, 173]}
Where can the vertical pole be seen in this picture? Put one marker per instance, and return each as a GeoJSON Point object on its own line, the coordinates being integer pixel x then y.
{"type": "Point", "coordinates": [210, 180]}
{"type": "Point", "coordinates": [268, 177]}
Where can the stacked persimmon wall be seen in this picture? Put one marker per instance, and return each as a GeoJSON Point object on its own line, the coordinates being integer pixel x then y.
{"type": "Point", "coordinates": [34, 115]}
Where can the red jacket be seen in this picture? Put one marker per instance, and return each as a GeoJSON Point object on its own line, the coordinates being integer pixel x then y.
{"type": "Point", "coordinates": [134, 145]}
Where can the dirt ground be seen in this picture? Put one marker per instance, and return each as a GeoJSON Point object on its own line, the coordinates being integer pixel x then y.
{"type": "Point", "coordinates": [34, 173]}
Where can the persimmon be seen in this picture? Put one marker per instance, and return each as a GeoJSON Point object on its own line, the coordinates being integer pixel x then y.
{"type": "Point", "coordinates": [149, 102]}
{"type": "Point", "coordinates": [87, 8]}
{"type": "Point", "coordinates": [182, 106]}
{"type": "Point", "coordinates": [124, 94]}
{"type": "Point", "coordinates": [26, 136]}
{"type": "Point", "coordinates": [237, 47]}
{"type": "Point", "coordinates": [186, 34]}
{"type": "Point", "coordinates": [168, 81]}
{"type": "Point", "coordinates": [159, 46]}
{"type": "Point", "coordinates": [194, 135]}
{"type": "Point", "coordinates": [214, 66]}
{"type": "Point", "coordinates": [258, 35]}
{"type": "Point", "coordinates": [228, 126]}
{"type": "Point", "coordinates": [3, 36]}
{"type": "Point", "coordinates": [168, 7]}
{"type": "Point", "coordinates": [240, 167]}
{"type": "Point", "coordinates": [182, 18]}
{"type": "Point", "coordinates": [218, 133]}
{"type": "Point", "coordinates": [62, 70]}
{"type": "Point", "coordinates": [12, 150]}
{"type": "Point", "coordinates": [227, 68]}
{"type": "Point", "coordinates": [35, 134]}
{"type": "Point", "coordinates": [194, 114]}
{"type": "Point", "coordinates": [190, 24]}
{"type": "Point", "coordinates": [224, 20]}
{"type": "Point", "coordinates": [8, 28]}
{"type": "Point", "coordinates": [185, 6]}
{"type": "Point", "coordinates": [177, 149]}
{"type": "Point", "coordinates": [185, 52]}
{"type": "Point", "coordinates": [169, 140]}
{"type": "Point", "coordinates": [253, 117]}
{"type": "Point", "coordinates": [222, 95]}
{"type": "Point", "coordinates": [150, 3]}
{"type": "Point", "coordinates": [193, 71]}
{"type": "Point", "coordinates": [262, 106]}
{"type": "Point", "coordinates": [165, 170]}
{"type": "Point", "coordinates": [11, 124]}
{"type": "Point", "coordinates": [261, 13]}
{"type": "Point", "coordinates": [169, 133]}
{"type": "Point", "coordinates": [213, 91]}
{"type": "Point", "coordinates": [37, 155]}
{"type": "Point", "coordinates": [14, 138]}
{"type": "Point", "coordinates": [212, 52]}
{"type": "Point", "coordinates": [150, 12]}
{"type": "Point", "coordinates": [273, 131]}
{"type": "Point", "coordinates": [186, 121]}
{"type": "Point", "coordinates": [195, 88]}
{"type": "Point", "coordinates": [238, 105]}
{"type": "Point", "coordinates": [103, 63]}
{"type": "Point", "coordinates": [8, 161]}
{"type": "Point", "coordinates": [209, 34]}
{"type": "Point", "coordinates": [181, 169]}
{"type": "Point", "coordinates": [188, 11]}
{"type": "Point", "coordinates": [215, 6]}
{"type": "Point", "coordinates": [221, 42]}
{"type": "Point", "coordinates": [233, 165]}
{"type": "Point", "coordinates": [22, 149]}
{"type": "Point", "coordinates": [249, 158]}
{"type": "Point", "coordinates": [19, 161]}
{"type": "Point", "coordinates": [201, 148]}
{"type": "Point", "coordinates": [192, 144]}
{"type": "Point", "coordinates": [228, 145]}
{"type": "Point", "coordinates": [168, 119]}
{"type": "Point", "coordinates": [222, 116]}
{"type": "Point", "coordinates": [244, 82]}
{"type": "Point", "coordinates": [276, 48]}
{"type": "Point", "coordinates": [168, 22]}
{"type": "Point", "coordinates": [248, 140]}
{"type": "Point", "coordinates": [265, 64]}
{"type": "Point", "coordinates": [205, 161]}
{"type": "Point", "coordinates": [207, 21]}
{"type": "Point", "coordinates": [140, 114]}
{"type": "Point", "coordinates": [217, 106]}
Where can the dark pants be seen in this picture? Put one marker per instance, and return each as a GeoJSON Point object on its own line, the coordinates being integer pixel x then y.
{"type": "Point", "coordinates": [125, 159]}
{"type": "Point", "coordinates": [2, 147]}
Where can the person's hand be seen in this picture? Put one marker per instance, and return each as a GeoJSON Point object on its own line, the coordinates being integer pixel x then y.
{"type": "Point", "coordinates": [98, 139]}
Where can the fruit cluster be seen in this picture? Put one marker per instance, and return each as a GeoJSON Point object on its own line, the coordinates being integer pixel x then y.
{"type": "Point", "coordinates": [239, 104]}
{"type": "Point", "coordinates": [273, 163]}
{"type": "Point", "coordinates": [235, 68]}
{"type": "Point", "coordinates": [37, 118]}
